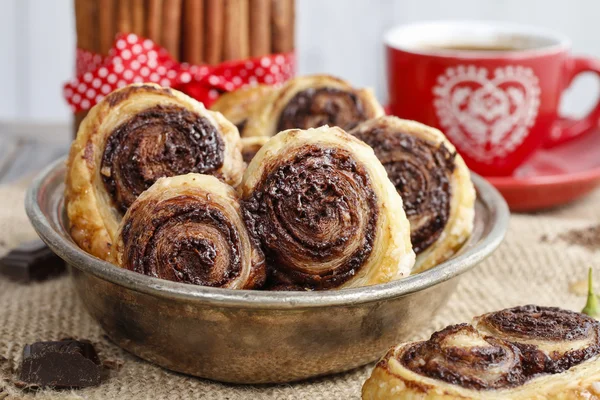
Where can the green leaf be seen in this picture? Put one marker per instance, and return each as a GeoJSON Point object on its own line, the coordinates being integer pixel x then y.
{"type": "Point", "coordinates": [592, 307]}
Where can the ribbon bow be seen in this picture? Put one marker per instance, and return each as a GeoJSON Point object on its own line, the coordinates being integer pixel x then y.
{"type": "Point", "coordinates": [134, 59]}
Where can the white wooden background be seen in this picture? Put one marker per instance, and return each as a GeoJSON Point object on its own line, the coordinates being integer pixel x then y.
{"type": "Point", "coordinates": [341, 37]}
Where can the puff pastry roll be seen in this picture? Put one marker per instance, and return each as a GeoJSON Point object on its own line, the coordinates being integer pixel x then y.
{"type": "Point", "coordinates": [251, 146]}
{"type": "Point", "coordinates": [320, 204]}
{"type": "Point", "coordinates": [134, 136]}
{"type": "Point", "coordinates": [189, 229]}
{"type": "Point", "coordinates": [240, 105]}
{"type": "Point", "coordinates": [313, 101]}
{"type": "Point", "coordinates": [433, 180]}
{"type": "Point", "coordinates": [527, 352]}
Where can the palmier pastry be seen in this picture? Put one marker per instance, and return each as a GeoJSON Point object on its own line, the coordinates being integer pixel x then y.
{"type": "Point", "coordinates": [326, 215]}
{"type": "Point", "coordinates": [189, 229]}
{"type": "Point", "coordinates": [432, 179]}
{"type": "Point", "coordinates": [241, 104]}
{"type": "Point", "coordinates": [312, 101]}
{"type": "Point", "coordinates": [134, 136]}
{"type": "Point", "coordinates": [527, 352]}
{"type": "Point", "coordinates": [251, 146]}
{"type": "Point", "coordinates": [557, 338]}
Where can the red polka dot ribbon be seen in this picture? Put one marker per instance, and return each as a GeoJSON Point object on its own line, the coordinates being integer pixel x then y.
{"type": "Point", "coordinates": [134, 59]}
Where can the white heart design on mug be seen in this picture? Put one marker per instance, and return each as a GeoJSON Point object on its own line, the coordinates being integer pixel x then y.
{"type": "Point", "coordinates": [487, 117]}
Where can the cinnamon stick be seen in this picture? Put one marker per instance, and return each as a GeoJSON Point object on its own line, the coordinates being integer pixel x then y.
{"type": "Point", "coordinates": [283, 16]}
{"type": "Point", "coordinates": [214, 31]}
{"type": "Point", "coordinates": [244, 28]}
{"type": "Point", "coordinates": [106, 25]}
{"type": "Point", "coordinates": [260, 27]}
{"type": "Point", "coordinates": [171, 26]}
{"type": "Point", "coordinates": [85, 25]}
{"type": "Point", "coordinates": [154, 20]}
{"type": "Point", "coordinates": [193, 31]}
{"type": "Point", "coordinates": [124, 23]}
{"type": "Point", "coordinates": [235, 42]}
{"type": "Point", "coordinates": [138, 17]}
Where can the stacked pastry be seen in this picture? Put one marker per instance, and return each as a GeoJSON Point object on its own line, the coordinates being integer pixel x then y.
{"type": "Point", "coordinates": [432, 179]}
{"type": "Point", "coordinates": [423, 165]}
{"type": "Point", "coordinates": [130, 139]}
{"type": "Point", "coordinates": [159, 185]}
{"type": "Point", "coordinates": [527, 352]}
{"type": "Point", "coordinates": [301, 103]}
{"type": "Point", "coordinates": [320, 204]}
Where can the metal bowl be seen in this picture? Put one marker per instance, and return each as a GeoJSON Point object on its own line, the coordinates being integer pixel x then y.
{"type": "Point", "coordinates": [245, 336]}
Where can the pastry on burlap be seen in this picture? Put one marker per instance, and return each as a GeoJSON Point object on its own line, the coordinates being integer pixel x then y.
{"type": "Point", "coordinates": [527, 268]}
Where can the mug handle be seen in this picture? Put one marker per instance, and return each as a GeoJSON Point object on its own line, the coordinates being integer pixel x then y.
{"type": "Point", "coordinates": [565, 129]}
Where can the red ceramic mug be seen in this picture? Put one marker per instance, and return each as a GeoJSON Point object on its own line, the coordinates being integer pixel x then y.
{"type": "Point", "coordinates": [493, 88]}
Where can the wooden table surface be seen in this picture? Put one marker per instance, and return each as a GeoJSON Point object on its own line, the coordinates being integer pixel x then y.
{"type": "Point", "coordinates": [26, 148]}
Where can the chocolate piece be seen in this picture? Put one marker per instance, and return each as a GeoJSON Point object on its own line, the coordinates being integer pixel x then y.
{"type": "Point", "coordinates": [312, 209]}
{"type": "Point", "coordinates": [64, 364]}
{"type": "Point", "coordinates": [31, 261]}
{"type": "Point", "coordinates": [161, 141]}
{"type": "Point", "coordinates": [312, 108]}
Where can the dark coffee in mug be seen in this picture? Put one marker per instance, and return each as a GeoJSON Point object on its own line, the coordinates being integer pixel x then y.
{"type": "Point", "coordinates": [473, 47]}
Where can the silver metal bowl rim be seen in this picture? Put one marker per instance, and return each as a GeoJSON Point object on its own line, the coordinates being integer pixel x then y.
{"type": "Point", "coordinates": [85, 262]}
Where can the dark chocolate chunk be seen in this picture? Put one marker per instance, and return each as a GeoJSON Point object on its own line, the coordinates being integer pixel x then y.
{"type": "Point", "coordinates": [31, 261]}
{"type": "Point", "coordinates": [64, 364]}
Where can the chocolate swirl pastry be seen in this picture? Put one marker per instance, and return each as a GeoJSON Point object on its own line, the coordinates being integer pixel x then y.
{"type": "Point", "coordinates": [189, 229]}
{"type": "Point", "coordinates": [130, 139]}
{"type": "Point", "coordinates": [462, 356]}
{"type": "Point", "coordinates": [509, 354]}
{"type": "Point", "coordinates": [557, 338]}
{"type": "Point", "coordinates": [433, 180]}
{"type": "Point", "coordinates": [310, 102]}
{"type": "Point", "coordinates": [241, 105]}
{"type": "Point", "coordinates": [251, 146]}
{"type": "Point", "coordinates": [321, 206]}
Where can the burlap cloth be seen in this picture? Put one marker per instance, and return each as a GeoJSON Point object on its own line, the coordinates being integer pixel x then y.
{"type": "Point", "coordinates": [532, 266]}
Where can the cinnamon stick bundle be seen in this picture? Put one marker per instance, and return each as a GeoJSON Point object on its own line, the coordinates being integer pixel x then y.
{"type": "Point", "coordinates": [215, 13]}
{"type": "Point", "coordinates": [107, 27]}
{"type": "Point", "coordinates": [193, 31]}
{"type": "Point", "coordinates": [283, 16]}
{"type": "Point", "coordinates": [124, 23]}
{"type": "Point", "coordinates": [171, 26]}
{"type": "Point", "coordinates": [235, 42]}
{"type": "Point", "coordinates": [260, 27]}
{"type": "Point", "coordinates": [154, 20]}
{"type": "Point", "coordinates": [138, 17]}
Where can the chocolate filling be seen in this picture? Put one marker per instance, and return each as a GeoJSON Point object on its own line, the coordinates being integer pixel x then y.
{"type": "Point", "coordinates": [316, 208]}
{"type": "Point", "coordinates": [421, 171]}
{"type": "Point", "coordinates": [312, 108]}
{"type": "Point", "coordinates": [548, 323]}
{"type": "Point", "coordinates": [241, 125]}
{"type": "Point", "coordinates": [250, 151]}
{"type": "Point", "coordinates": [553, 324]}
{"type": "Point", "coordinates": [182, 239]}
{"type": "Point", "coordinates": [504, 362]}
{"type": "Point", "coordinates": [158, 142]}
{"type": "Point", "coordinates": [497, 364]}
